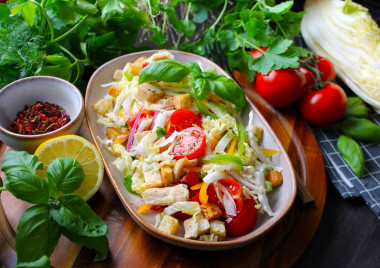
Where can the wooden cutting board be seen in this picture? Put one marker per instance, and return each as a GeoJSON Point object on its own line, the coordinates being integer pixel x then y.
{"type": "Point", "coordinates": [131, 246]}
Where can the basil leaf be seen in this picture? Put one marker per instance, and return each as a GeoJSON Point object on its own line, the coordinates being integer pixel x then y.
{"type": "Point", "coordinates": [28, 187]}
{"type": "Point", "coordinates": [360, 129]}
{"type": "Point", "coordinates": [200, 88]}
{"type": "Point", "coordinates": [228, 90]}
{"type": "Point", "coordinates": [356, 108]}
{"type": "Point", "coordinates": [160, 132]}
{"type": "Point", "coordinates": [99, 244]}
{"type": "Point", "coordinates": [194, 68]}
{"type": "Point", "coordinates": [37, 234]}
{"type": "Point", "coordinates": [65, 175]}
{"type": "Point", "coordinates": [352, 154]}
{"type": "Point", "coordinates": [43, 262]}
{"type": "Point", "coordinates": [20, 161]}
{"type": "Point", "coordinates": [164, 70]}
{"type": "Point", "coordinates": [74, 214]}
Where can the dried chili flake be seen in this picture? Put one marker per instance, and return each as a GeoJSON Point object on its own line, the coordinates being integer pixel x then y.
{"type": "Point", "coordinates": [40, 118]}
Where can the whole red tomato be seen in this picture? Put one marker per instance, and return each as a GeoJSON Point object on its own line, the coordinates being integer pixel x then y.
{"type": "Point", "coordinates": [257, 53]}
{"type": "Point", "coordinates": [325, 106]}
{"type": "Point", "coordinates": [324, 66]}
{"type": "Point", "coordinates": [281, 87]}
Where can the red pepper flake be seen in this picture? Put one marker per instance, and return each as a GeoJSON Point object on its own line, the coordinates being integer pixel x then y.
{"type": "Point", "coordinates": [40, 118]}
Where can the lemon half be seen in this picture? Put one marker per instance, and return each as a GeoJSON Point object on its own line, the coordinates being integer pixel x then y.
{"type": "Point", "coordinates": [83, 151]}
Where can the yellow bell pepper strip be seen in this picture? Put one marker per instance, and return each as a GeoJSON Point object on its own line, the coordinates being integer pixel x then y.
{"type": "Point", "coordinates": [143, 208]}
{"type": "Point", "coordinates": [232, 147]}
{"type": "Point", "coordinates": [269, 152]}
{"type": "Point", "coordinates": [203, 197]}
{"type": "Point", "coordinates": [223, 158]}
{"type": "Point", "coordinates": [196, 186]}
{"type": "Point", "coordinates": [242, 137]}
{"type": "Point", "coordinates": [120, 141]}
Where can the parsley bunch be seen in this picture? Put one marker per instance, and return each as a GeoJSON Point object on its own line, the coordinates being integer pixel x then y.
{"type": "Point", "coordinates": [57, 209]}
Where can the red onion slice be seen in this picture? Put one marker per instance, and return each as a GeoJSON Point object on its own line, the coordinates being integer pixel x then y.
{"type": "Point", "coordinates": [153, 119]}
{"type": "Point", "coordinates": [133, 130]}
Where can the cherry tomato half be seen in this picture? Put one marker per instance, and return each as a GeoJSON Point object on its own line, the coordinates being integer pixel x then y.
{"type": "Point", "coordinates": [145, 113]}
{"type": "Point", "coordinates": [324, 66]}
{"type": "Point", "coordinates": [244, 222]}
{"type": "Point", "coordinates": [182, 119]}
{"type": "Point", "coordinates": [325, 106]}
{"type": "Point", "coordinates": [281, 87]}
{"type": "Point", "coordinates": [189, 143]}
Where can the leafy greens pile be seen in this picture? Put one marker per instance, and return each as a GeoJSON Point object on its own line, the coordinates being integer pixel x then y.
{"type": "Point", "coordinates": [69, 39]}
{"type": "Point", "coordinates": [41, 226]}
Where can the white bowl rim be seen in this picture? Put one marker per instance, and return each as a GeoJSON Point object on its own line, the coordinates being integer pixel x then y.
{"type": "Point", "coordinates": [55, 79]}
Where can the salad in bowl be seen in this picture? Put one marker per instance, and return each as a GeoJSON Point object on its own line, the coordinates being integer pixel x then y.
{"type": "Point", "coordinates": [187, 155]}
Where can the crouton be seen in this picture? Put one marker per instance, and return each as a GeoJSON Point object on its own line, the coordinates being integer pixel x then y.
{"type": "Point", "coordinates": [218, 228]}
{"type": "Point", "coordinates": [148, 92]}
{"type": "Point", "coordinates": [118, 75]}
{"type": "Point", "coordinates": [183, 101]}
{"type": "Point", "coordinates": [153, 179]}
{"type": "Point", "coordinates": [137, 66]}
{"type": "Point", "coordinates": [161, 55]}
{"type": "Point", "coordinates": [196, 226]}
{"type": "Point", "coordinates": [211, 211]}
{"type": "Point", "coordinates": [101, 106]}
{"type": "Point", "coordinates": [112, 133]}
{"type": "Point", "coordinates": [166, 175]}
{"type": "Point", "coordinates": [275, 177]}
{"type": "Point", "coordinates": [166, 195]}
{"type": "Point", "coordinates": [258, 133]}
{"type": "Point", "coordinates": [114, 91]}
{"type": "Point", "coordinates": [169, 225]}
{"type": "Point", "coordinates": [180, 164]}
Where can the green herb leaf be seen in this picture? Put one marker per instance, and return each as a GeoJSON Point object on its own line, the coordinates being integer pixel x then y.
{"type": "Point", "coordinates": [356, 108]}
{"type": "Point", "coordinates": [43, 262]}
{"type": "Point", "coordinates": [277, 9]}
{"type": "Point", "coordinates": [74, 214]}
{"type": "Point", "coordinates": [37, 235]}
{"type": "Point", "coordinates": [360, 129]}
{"type": "Point", "coordinates": [160, 132]}
{"type": "Point", "coordinates": [228, 90]}
{"type": "Point", "coordinates": [64, 175]}
{"type": "Point", "coordinates": [28, 187]}
{"type": "Point", "coordinates": [268, 186]}
{"type": "Point", "coordinates": [242, 61]}
{"type": "Point", "coordinates": [352, 154]}
{"type": "Point", "coordinates": [99, 244]}
{"type": "Point", "coordinates": [20, 161]}
{"type": "Point", "coordinates": [164, 70]}
{"type": "Point", "coordinates": [58, 66]}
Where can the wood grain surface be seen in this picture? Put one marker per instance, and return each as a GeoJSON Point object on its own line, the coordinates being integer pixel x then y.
{"type": "Point", "coordinates": [131, 246]}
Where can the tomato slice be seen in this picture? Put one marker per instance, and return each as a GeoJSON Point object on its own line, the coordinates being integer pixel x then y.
{"type": "Point", "coordinates": [244, 222]}
{"type": "Point", "coordinates": [189, 143]}
{"type": "Point", "coordinates": [145, 113]}
{"type": "Point", "coordinates": [182, 119]}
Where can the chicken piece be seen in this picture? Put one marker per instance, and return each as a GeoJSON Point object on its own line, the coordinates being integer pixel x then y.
{"type": "Point", "coordinates": [183, 101]}
{"type": "Point", "coordinates": [114, 91]}
{"type": "Point", "coordinates": [166, 195]}
{"type": "Point", "coordinates": [137, 66]}
{"type": "Point", "coordinates": [153, 179]}
{"type": "Point", "coordinates": [167, 175]}
{"type": "Point", "coordinates": [169, 225]}
{"type": "Point", "coordinates": [275, 177]}
{"type": "Point", "coordinates": [101, 106]}
{"type": "Point", "coordinates": [112, 133]}
{"type": "Point", "coordinates": [118, 75]}
{"type": "Point", "coordinates": [218, 228]}
{"type": "Point", "coordinates": [196, 226]}
{"type": "Point", "coordinates": [258, 133]}
{"type": "Point", "coordinates": [211, 211]}
{"type": "Point", "coordinates": [148, 92]}
{"type": "Point", "coordinates": [161, 55]}
{"type": "Point", "coordinates": [180, 164]}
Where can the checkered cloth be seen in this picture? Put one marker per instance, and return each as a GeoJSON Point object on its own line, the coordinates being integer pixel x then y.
{"type": "Point", "coordinates": [345, 181]}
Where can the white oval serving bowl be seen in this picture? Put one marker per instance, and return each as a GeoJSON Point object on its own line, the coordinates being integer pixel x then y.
{"type": "Point", "coordinates": [28, 91]}
{"type": "Point", "coordinates": [281, 198]}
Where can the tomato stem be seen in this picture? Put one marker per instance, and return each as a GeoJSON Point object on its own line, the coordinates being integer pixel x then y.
{"type": "Point", "coordinates": [311, 64]}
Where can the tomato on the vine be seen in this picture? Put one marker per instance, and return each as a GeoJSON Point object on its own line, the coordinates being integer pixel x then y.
{"type": "Point", "coordinates": [244, 222]}
{"type": "Point", "coordinates": [325, 106]}
{"type": "Point", "coordinates": [182, 119]}
{"type": "Point", "coordinates": [145, 113]}
{"type": "Point", "coordinates": [257, 53]}
{"type": "Point", "coordinates": [189, 143]}
{"type": "Point", "coordinates": [281, 87]}
{"type": "Point", "coordinates": [324, 66]}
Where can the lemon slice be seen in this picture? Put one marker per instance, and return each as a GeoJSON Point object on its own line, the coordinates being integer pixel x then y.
{"type": "Point", "coordinates": [80, 149]}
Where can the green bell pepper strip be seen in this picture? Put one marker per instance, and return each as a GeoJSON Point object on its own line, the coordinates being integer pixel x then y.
{"type": "Point", "coordinates": [204, 110]}
{"type": "Point", "coordinates": [223, 158]}
{"type": "Point", "coordinates": [242, 137]}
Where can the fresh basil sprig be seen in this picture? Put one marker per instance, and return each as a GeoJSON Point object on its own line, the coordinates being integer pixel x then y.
{"type": "Point", "coordinates": [164, 70]}
{"type": "Point", "coordinates": [58, 210]}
